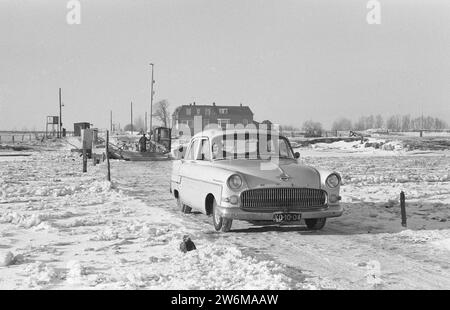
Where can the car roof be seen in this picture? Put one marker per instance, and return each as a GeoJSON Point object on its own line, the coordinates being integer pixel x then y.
{"type": "Point", "coordinates": [212, 133]}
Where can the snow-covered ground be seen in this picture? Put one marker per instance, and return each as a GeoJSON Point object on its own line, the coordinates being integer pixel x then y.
{"type": "Point", "coordinates": [60, 228]}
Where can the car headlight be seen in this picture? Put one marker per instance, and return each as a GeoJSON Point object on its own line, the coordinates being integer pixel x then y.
{"type": "Point", "coordinates": [333, 180]}
{"type": "Point", "coordinates": [234, 182]}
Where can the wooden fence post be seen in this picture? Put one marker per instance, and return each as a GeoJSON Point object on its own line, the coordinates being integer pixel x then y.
{"type": "Point", "coordinates": [84, 160]}
{"type": "Point", "coordinates": [403, 208]}
{"type": "Point", "coordinates": [93, 155]}
{"type": "Point", "coordinates": [108, 176]}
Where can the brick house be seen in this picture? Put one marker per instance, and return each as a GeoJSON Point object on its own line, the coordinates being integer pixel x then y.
{"type": "Point", "coordinates": [211, 114]}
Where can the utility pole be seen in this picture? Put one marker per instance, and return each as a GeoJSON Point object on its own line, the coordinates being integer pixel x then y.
{"type": "Point", "coordinates": [131, 117]}
{"type": "Point", "coordinates": [151, 101]}
{"type": "Point", "coordinates": [421, 131]}
{"type": "Point", "coordinates": [422, 120]}
{"type": "Point", "coordinates": [145, 126]}
{"type": "Point", "coordinates": [60, 114]}
{"type": "Point", "coordinates": [110, 122]}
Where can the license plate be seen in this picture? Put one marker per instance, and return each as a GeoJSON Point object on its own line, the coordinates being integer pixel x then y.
{"type": "Point", "coordinates": [286, 217]}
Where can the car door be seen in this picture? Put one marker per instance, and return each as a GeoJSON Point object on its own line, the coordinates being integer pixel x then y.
{"type": "Point", "coordinates": [203, 182]}
{"type": "Point", "coordinates": [188, 177]}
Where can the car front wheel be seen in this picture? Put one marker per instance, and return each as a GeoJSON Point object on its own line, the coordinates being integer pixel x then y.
{"type": "Point", "coordinates": [221, 223]}
{"type": "Point", "coordinates": [315, 224]}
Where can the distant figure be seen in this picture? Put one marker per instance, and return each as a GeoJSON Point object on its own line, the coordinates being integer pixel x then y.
{"type": "Point", "coordinates": [143, 143]}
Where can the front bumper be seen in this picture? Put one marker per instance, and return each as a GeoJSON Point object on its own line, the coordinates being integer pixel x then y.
{"type": "Point", "coordinates": [237, 213]}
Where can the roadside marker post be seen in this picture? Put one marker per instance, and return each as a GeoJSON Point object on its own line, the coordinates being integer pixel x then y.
{"type": "Point", "coordinates": [403, 208]}
{"type": "Point", "coordinates": [108, 176]}
{"type": "Point", "coordinates": [84, 160]}
{"type": "Point", "coordinates": [94, 157]}
{"type": "Point", "coordinates": [86, 141]}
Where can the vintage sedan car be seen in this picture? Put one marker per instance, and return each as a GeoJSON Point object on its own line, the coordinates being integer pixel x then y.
{"type": "Point", "coordinates": [254, 176]}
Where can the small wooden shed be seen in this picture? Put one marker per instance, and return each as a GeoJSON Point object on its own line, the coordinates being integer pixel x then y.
{"type": "Point", "coordinates": [78, 126]}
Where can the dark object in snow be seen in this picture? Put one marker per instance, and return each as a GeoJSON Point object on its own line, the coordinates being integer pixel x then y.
{"type": "Point", "coordinates": [187, 244]}
{"type": "Point", "coordinates": [403, 208]}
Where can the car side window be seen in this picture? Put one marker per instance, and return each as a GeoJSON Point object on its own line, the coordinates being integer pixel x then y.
{"type": "Point", "coordinates": [190, 155]}
{"type": "Point", "coordinates": [284, 148]}
{"type": "Point", "coordinates": [204, 153]}
{"type": "Point", "coordinates": [190, 151]}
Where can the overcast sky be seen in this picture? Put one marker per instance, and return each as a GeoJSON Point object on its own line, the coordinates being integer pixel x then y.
{"type": "Point", "coordinates": [290, 61]}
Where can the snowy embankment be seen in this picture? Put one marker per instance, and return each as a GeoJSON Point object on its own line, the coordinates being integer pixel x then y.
{"type": "Point", "coordinates": [382, 145]}
{"type": "Point", "coordinates": [61, 228]}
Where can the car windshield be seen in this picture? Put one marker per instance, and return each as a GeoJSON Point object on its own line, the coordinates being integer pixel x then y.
{"type": "Point", "coordinates": [250, 146]}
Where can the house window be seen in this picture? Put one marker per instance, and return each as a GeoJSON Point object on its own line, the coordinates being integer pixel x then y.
{"type": "Point", "coordinates": [245, 121]}
{"type": "Point", "coordinates": [223, 123]}
{"type": "Point", "coordinates": [223, 111]}
{"type": "Point", "coordinates": [207, 112]}
{"type": "Point", "coordinates": [188, 111]}
{"type": "Point", "coordinates": [198, 111]}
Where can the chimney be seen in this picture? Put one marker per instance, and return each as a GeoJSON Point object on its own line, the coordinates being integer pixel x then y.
{"type": "Point", "coordinates": [241, 104]}
{"type": "Point", "coordinates": [194, 102]}
{"type": "Point", "coordinates": [214, 104]}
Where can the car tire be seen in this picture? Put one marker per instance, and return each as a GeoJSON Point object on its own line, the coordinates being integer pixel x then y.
{"type": "Point", "coordinates": [315, 224]}
{"type": "Point", "coordinates": [182, 207]}
{"type": "Point", "coordinates": [220, 223]}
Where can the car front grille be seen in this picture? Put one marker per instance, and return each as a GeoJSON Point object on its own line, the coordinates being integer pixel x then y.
{"type": "Point", "coordinates": [283, 199]}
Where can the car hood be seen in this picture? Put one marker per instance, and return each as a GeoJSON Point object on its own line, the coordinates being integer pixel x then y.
{"type": "Point", "coordinates": [259, 173]}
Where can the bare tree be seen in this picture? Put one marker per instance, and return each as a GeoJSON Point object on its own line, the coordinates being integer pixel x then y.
{"type": "Point", "coordinates": [342, 124]}
{"type": "Point", "coordinates": [162, 113]}
{"type": "Point", "coordinates": [312, 129]}
{"type": "Point", "coordinates": [379, 122]}
{"type": "Point", "coordinates": [393, 123]}
{"type": "Point", "coordinates": [406, 122]}
{"type": "Point", "coordinates": [138, 125]}
{"type": "Point", "coordinates": [360, 124]}
{"type": "Point", "coordinates": [289, 128]}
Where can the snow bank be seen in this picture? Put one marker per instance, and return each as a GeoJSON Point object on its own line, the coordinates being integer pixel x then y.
{"type": "Point", "coordinates": [373, 145]}
{"type": "Point", "coordinates": [216, 266]}
{"type": "Point", "coordinates": [40, 274]}
{"type": "Point", "coordinates": [442, 244]}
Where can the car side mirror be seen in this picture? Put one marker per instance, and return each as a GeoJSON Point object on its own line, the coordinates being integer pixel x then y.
{"type": "Point", "coordinates": [296, 155]}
